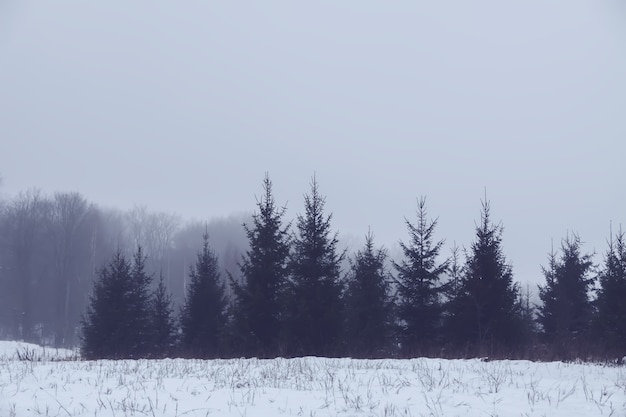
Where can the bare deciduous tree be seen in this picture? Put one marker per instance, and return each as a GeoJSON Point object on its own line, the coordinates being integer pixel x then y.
{"type": "Point", "coordinates": [70, 238]}
{"type": "Point", "coordinates": [154, 232]}
{"type": "Point", "coordinates": [24, 224]}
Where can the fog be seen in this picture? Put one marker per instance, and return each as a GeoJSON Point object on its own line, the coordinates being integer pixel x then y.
{"type": "Point", "coordinates": [182, 108]}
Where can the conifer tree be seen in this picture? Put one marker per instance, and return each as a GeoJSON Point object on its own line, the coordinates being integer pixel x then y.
{"type": "Point", "coordinates": [313, 319]}
{"type": "Point", "coordinates": [420, 290]}
{"type": "Point", "coordinates": [105, 329]}
{"type": "Point", "coordinates": [368, 307]}
{"type": "Point", "coordinates": [163, 324]}
{"type": "Point", "coordinates": [139, 298]}
{"type": "Point", "coordinates": [547, 311]}
{"type": "Point", "coordinates": [485, 316]}
{"type": "Point", "coordinates": [203, 314]}
{"type": "Point", "coordinates": [455, 272]}
{"type": "Point", "coordinates": [264, 273]}
{"type": "Point", "coordinates": [611, 300]}
{"type": "Point", "coordinates": [117, 322]}
{"type": "Point", "coordinates": [566, 312]}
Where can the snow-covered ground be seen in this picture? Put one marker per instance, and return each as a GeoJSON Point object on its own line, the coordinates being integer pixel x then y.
{"type": "Point", "coordinates": [303, 387]}
{"type": "Point", "coordinates": [10, 351]}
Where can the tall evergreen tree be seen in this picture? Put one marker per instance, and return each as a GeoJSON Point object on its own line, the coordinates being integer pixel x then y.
{"type": "Point", "coordinates": [547, 310]}
{"type": "Point", "coordinates": [420, 291]}
{"type": "Point", "coordinates": [264, 273]}
{"type": "Point", "coordinates": [105, 333]}
{"type": "Point", "coordinates": [455, 273]}
{"type": "Point", "coordinates": [314, 310]}
{"type": "Point", "coordinates": [611, 317]}
{"type": "Point", "coordinates": [203, 314]}
{"type": "Point", "coordinates": [163, 325]}
{"type": "Point", "coordinates": [368, 306]}
{"type": "Point", "coordinates": [117, 321]}
{"type": "Point", "coordinates": [485, 316]}
{"type": "Point", "coordinates": [139, 298]}
{"type": "Point", "coordinates": [566, 312]}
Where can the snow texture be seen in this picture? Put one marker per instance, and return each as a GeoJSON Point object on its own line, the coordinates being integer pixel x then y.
{"type": "Point", "coordinates": [52, 384]}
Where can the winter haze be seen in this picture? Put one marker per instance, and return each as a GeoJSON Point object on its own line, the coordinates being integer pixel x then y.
{"type": "Point", "coordinates": [183, 106]}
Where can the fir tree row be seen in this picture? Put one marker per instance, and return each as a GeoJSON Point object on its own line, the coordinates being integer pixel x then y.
{"type": "Point", "coordinates": [294, 300]}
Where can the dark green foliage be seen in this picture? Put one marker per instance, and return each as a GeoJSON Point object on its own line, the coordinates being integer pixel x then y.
{"type": "Point", "coordinates": [420, 290]}
{"type": "Point", "coordinates": [102, 333]}
{"type": "Point", "coordinates": [313, 319]}
{"type": "Point", "coordinates": [485, 316]}
{"type": "Point", "coordinates": [115, 325]}
{"type": "Point", "coordinates": [264, 273]}
{"type": "Point", "coordinates": [203, 316]}
{"type": "Point", "coordinates": [368, 306]}
{"type": "Point", "coordinates": [455, 274]}
{"type": "Point", "coordinates": [611, 300]}
{"type": "Point", "coordinates": [547, 314]}
{"type": "Point", "coordinates": [566, 313]}
{"type": "Point", "coordinates": [162, 322]}
{"type": "Point", "coordinates": [139, 300]}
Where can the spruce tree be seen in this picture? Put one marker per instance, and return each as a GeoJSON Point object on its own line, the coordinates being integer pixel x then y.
{"type": "Point", "coordinates": [455, 273]}
{"type": "Point", "coordinates": [566, 312]}
{"type": "Point", "coordinates": [117, 321]}
{"type": "Point", "coordinates": [139, 298]}
{"type": "Point", "coordinates": [548, 309]}
{"type": "Point", "coordinates": [313, 316]}
{"type": "Point", "coordinates": [611, 317]}
{"type": "Point", "coordinates": [485, 316]}
{"type": "Point", "coordinates": [368, 307]}
{"type": "Point", "coordinates": [420, 290]}
{"type": "Point", "coordinates": [105, 329]}
{"type": "Point", "coordinates": [163, 324]}
{"type": "Point", "coordinates": [264, 273]}
{"type": "Point", "coordinates": [203, 316]}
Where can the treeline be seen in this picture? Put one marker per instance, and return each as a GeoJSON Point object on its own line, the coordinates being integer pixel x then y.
{"type": "Point", "coordinates": [293, 298]}
{"type": "Point", "coordinates": [53, 246]}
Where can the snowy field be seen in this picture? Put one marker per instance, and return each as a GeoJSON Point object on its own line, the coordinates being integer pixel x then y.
{"type": "Point", "coordinates": [52, 385]}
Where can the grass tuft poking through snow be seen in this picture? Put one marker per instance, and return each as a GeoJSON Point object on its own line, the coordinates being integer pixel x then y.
{"type": "Point", "coordinates": [52, 384]}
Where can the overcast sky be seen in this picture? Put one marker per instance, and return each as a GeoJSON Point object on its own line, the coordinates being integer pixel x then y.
{"type": "Point", "coordinates": [183, 106]}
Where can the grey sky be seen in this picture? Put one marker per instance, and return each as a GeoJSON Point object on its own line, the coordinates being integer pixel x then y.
{"type": "Point", "coordinates": [184, 105]}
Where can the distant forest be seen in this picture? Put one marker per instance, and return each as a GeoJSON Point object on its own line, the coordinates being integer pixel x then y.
{"type": "Point", "coordinates": [143, 284]}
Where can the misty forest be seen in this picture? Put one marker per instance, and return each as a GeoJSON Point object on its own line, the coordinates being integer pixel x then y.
{"type": "Point", "coordinates": [145, 284]}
